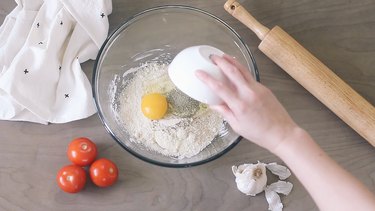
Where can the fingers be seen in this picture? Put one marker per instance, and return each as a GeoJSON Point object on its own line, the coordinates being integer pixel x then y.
{"type": "Point", "coordinates": [222, 90]}
{"type": "Point", "coordinates": [230, 71]}
{"type": "Point", "coordinates": [225, 111]}
{"type": "Point", "coordinates": [244, 71]}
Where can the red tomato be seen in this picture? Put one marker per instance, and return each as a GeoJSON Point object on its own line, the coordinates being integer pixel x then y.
{"type": "Point", "coordinates": [82, 151]}
{"type": "Point", "coordinates": [103, 172]}
{"type": "Point", "coordinates": [71, 178]}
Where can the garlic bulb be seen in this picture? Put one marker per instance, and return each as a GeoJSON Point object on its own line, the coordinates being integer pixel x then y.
{"type": "Point", "coordinates": [251, 179]}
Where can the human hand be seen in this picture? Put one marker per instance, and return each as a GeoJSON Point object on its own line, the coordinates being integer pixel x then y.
{"type": "Point", "coordinates": [249, 107]}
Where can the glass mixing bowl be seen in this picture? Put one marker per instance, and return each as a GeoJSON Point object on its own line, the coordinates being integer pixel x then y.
{"type": "Point", "coordinates": [158, 34]}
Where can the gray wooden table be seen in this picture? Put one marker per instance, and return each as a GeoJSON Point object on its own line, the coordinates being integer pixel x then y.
{"type": "Point", "coordinates": [339, 32]}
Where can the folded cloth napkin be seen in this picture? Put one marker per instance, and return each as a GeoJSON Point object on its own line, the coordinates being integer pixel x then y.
{"type": "Point", "coordinates": [42, 43]}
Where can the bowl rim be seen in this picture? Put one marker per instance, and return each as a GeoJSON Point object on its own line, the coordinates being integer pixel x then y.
{"type": "Point", "coordinates": [126, 24]}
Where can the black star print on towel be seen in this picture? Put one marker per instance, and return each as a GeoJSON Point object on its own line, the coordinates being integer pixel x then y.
{"type": "Point", "coordinates": [40, 43]}
{"type": "Point", "coordinates": [26, 71]}
{"type": "Point", "coordinates": [61, 23]}
{"type": "Point", "coordinates": [37, 25]}
{"type": "Point", "coordinates": [60, 67]}
{"type": "Point", "coordinates": [66, 95]}
{"type": "Point", "coordinates": [102, 15]}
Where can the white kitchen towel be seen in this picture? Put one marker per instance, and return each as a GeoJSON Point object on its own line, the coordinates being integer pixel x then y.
{"type": "Point", "coordinates": [14, 30]}
{"type": "Point", "coordinates": [43, 81]}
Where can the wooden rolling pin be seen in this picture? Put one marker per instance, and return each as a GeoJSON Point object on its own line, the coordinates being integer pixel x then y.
{"type": "Point", "coordinates": [311, 73]}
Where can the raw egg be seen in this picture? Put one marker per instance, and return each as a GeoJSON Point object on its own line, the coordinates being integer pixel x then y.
{"type": "Point", "coordinates": [154, 106]}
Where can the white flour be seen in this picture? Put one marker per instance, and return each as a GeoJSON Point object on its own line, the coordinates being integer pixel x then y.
{"type": "Point", "coordinates": [171, 136]}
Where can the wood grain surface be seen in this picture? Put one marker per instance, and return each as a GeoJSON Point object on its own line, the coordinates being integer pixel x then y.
{"type": "Point", "coordinates": [341, 33]}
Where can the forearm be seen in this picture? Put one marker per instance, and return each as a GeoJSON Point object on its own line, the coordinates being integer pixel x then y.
{"type": "Point", "coordinates": [254, 112]}
{"type": "Point", "coordinates": [331, 187]}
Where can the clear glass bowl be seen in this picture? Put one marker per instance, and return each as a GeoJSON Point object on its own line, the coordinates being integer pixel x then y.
{"type": "Point", "coordinates": [158, 34]}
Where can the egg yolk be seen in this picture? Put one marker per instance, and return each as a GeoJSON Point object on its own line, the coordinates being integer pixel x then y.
{"type": "Point", "coordinates": [154, 106]}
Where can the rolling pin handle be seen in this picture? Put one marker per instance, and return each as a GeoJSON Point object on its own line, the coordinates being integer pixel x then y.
{"type": "Point", "coordinates": [236, 10]}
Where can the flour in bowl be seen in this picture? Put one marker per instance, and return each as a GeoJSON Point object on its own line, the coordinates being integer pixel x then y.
{"type": "Point", "coordinates": [187, 128]}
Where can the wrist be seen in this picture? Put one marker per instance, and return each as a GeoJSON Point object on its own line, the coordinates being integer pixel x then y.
{"type": "Point", "coordinates": [290, 142]}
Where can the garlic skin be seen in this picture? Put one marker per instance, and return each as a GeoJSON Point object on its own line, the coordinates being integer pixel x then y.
{"type": "Point", "coordinates": [251, 179]}
{"type": "Point", "coordinates": [281, 171]}
{"type": "Point", "coordinates": [272, 196]}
